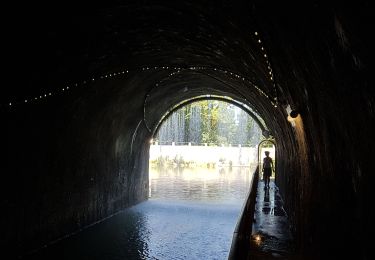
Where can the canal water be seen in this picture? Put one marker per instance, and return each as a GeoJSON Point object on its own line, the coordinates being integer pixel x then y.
{"type": "Point", "coordinates": [191, 214]}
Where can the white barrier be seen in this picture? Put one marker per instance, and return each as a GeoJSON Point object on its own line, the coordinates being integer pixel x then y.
{"type": "Point", "coordinates": [239, 156]}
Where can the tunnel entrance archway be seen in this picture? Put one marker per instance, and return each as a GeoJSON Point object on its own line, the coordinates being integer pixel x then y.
{"type": "Point", "coordinates": [182, 149]}
{"type": "Point", "coordinates": [226, 99]}
{"type": "Point", "coordinates": [226, 138]}
{"type": "Point", "coordinates": [259, 121]}
{"type": "Point", "coordinates": [217, 186]}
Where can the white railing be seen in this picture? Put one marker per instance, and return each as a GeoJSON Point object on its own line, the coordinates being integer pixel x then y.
{"type": "Point", "coordinates": [220, 155]}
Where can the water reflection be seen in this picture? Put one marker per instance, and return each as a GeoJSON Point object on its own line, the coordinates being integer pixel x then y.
{"type": "Point", "coordinates": [267, 194]}
{"type": "Point", "coordinates": [223, 185]}
{"type": "Point", "coordinates": [123, 236]}
{"type": "Point", "coordinates": [191, 214]}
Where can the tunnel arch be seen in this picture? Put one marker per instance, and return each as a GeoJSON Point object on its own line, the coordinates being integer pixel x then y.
{"type": "Point", "coordinates": [228, 100]}
{"type": "Point", "coordinates": [173, 91]}
{"type": "Point", "coordinates": [317, 58]}
{"type": "Point", "coordinates": [273, 142]}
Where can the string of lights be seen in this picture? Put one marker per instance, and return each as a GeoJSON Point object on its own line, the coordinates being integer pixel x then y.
{"type": "Point", "coordinates": [174, 71]}
{"type": "Point", "coordinates": [270, 73]}
{"type": "Point", "coordinates": [62, 90]}
{"type": "Point", "coordinates": [178, 70]}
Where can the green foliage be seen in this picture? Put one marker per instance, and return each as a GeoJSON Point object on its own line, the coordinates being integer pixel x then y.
{"type": "Point", "coordinates": [216, 122]}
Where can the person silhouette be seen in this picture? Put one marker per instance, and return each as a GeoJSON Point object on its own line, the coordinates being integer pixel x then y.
{"type": "Point", "coordinates": [267, 169]}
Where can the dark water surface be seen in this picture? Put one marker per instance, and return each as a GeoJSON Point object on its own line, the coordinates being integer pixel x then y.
{"type": "Point", "coordinates": [191, 214]}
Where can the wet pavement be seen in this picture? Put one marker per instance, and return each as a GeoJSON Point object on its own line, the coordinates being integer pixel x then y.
{"type": "Point", "coordinates": [271, 237]}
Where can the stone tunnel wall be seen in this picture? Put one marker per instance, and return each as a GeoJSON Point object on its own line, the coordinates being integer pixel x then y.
{"type": "Point", "coordinates": [75, 159]}
{"type": "Point", "coordinates": [322, 67]}
{"type": "Point", "coordinates": [70, 163]}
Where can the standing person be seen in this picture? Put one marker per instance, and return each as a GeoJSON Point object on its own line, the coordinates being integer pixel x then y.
{"type": "Point", "coordinates": [267, 169]}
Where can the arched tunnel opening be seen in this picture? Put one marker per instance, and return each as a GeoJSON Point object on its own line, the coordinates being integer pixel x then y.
{"type": "Point", "coordinates": [206, 132]}
{"type": "Point", "coordinates": [88, 86]}
{"type": "Point", "coordinates": [202, 160]}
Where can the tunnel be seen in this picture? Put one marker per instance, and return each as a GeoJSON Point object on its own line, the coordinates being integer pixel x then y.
{"type": "Point", "coordinates": [86, 86]}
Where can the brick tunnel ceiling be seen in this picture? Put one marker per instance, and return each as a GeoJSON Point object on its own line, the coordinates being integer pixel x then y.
{"type": "Point", "coordinates": [186, 46]}
{"type": "Point", "coordinates": [315, 60]}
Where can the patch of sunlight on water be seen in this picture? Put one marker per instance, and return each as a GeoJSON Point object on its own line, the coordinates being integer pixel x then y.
{"type": "Point", "coordinates": [222, 185]}
{"type": "Point", "coordinates": [193, 212]}
{"type": "Point", "coordinates": [191, 215]}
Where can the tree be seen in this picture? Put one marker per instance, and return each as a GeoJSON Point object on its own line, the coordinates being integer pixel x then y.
{"type": "Point", "coordinates": [210, 121]}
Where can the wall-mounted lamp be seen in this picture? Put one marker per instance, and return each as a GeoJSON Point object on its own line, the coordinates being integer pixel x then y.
{"type": "Point", "coordinates": [293, 113]}
{"type": "Point", "coordinates": [266, 133]}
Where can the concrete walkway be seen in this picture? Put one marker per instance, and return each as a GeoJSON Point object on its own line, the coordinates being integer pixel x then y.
{"type": "Point", "coordinates": [271, 236]}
